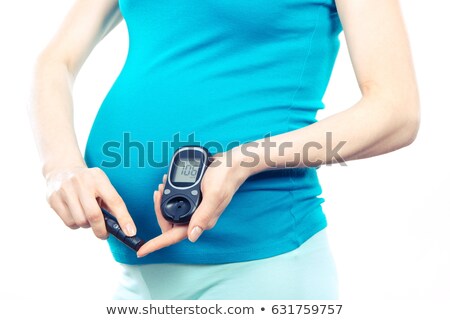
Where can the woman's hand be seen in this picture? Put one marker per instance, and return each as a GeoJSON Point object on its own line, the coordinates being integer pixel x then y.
{"type": "Point", "coordinates": [77, 193]}
{"type": "Point", "coordinates": [220, 182]}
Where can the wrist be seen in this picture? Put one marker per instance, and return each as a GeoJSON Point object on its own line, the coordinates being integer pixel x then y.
{"type": "Point", "coordinates": [51, 167]}
{"type": "Point", "coordinates": [246, 159]}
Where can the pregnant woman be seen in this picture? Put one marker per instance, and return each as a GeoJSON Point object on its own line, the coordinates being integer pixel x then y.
{"type": "Point", "coordinates": [246, 79]}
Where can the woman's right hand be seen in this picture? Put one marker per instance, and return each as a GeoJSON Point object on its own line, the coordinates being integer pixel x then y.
{"type": "Point", "coordinates": [76, 195]}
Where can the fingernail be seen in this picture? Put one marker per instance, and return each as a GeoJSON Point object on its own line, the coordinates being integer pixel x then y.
{"type": "Point", "coordinates": [195, 233]}
{"type": "Point", "coordinates": [140, 255]}
{"type": "Point", "coordinates": [130, 230]}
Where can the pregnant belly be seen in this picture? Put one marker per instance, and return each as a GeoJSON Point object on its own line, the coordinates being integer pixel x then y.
{"type": "Point", "coordinates": [136, 131]}
{"type": "Point", "coordinates": [141, 123]}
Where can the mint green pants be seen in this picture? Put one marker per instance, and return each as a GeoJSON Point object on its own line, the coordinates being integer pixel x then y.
{"type": "Point", "coordinates": [307, 272]}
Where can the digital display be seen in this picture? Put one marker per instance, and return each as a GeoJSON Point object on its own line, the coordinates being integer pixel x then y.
{"type": "Point", "coordinates": [186, 170]}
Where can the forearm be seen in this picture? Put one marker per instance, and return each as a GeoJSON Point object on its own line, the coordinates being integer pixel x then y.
{"type": "Point", "coordinates": [371, 127]}
{"type": "Point", "coordinates": [51, 115]}
{"type": "Point", "coordinates": [51, 105]}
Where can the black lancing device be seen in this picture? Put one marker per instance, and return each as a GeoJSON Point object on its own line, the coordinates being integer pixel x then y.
{"type": "Point", "coordinates": [113, 228]}
{"type": "Point", "coordinates": [182, 193]}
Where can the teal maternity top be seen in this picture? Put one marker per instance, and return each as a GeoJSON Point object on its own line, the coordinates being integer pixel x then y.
{"type": "Point", "coordinates": [217, 74]}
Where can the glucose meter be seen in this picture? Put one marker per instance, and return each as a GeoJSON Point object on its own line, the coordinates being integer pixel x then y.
{"type": "Point", "coordinates": [182, 193]}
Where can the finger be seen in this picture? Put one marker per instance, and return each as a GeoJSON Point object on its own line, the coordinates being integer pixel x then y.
{"type": "Point", "coordinates": [116, 206]}
{"type": "Point", "coordinates": [94, 215]}
{"type": "Point", "coordinates": [164, 178]}
{"type": "Point", "coordinates": [70, 198]}
{"type": "Point", "coordinates": [163, 223]}
{"type": "Point", "coordinates": [203, 218]}
{"type": "Point", "coordinates": [166, 239]}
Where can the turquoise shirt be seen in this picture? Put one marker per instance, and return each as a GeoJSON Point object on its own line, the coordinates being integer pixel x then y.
{"type": "Point", "coordinates": [218, 74]}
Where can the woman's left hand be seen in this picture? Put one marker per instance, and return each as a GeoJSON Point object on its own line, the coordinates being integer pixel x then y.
{"type": "Point", "coordinates": [220, 182]}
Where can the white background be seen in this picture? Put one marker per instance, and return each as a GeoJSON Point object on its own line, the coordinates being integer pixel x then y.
{"type": "Point", "coordinates": [388, 216]}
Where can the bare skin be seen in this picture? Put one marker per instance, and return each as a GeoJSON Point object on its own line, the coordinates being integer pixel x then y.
{"type": "Point", "coordinates": [385, 119]}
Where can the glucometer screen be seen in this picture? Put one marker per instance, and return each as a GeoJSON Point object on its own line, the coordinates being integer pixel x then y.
{"type": "Point", "coordinates": [186, 170]}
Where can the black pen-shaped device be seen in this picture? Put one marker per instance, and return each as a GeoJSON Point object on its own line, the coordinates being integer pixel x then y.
{"type": "Point", "coordinates": [113, 228]}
